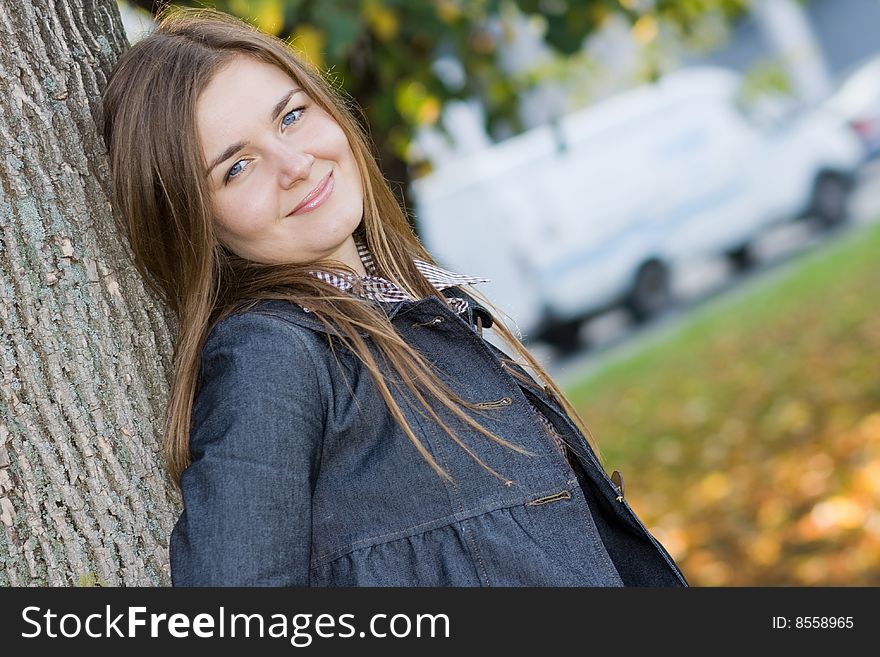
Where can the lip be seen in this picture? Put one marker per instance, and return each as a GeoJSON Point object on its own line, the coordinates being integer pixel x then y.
{"type": "Point", "coordinates": [316, 197]}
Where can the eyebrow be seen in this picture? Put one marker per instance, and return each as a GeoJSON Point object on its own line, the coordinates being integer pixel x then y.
{"type": "Point", "coordinates": [232, 149]}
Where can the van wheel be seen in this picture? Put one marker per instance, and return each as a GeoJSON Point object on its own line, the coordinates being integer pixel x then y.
{"type": "Point", "coordinates": [651, 291]}
{"type": "Point", "coordinates": [741, 258]}
{"type": "Point", "coordinates": [564, 336]}
{"type": "Point", "coordinates": [830, 199]}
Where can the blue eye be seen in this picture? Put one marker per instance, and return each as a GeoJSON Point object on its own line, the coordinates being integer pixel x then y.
{"type": "Point", "coordinates": [290, 119]}
{"type": "Point", "coordinates": [236, 169]}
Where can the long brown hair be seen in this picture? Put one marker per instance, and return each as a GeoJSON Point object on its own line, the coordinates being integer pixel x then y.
{"type": "Point", "coordinates": [162, 203]}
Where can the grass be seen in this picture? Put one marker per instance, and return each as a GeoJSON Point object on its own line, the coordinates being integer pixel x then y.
{"type": "Point", "coordinates": [751, 436]}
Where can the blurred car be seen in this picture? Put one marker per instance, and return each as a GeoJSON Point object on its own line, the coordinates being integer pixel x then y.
{"type": "Point", "coordinates": [596, 212]}
{"type": "Point", "coordinates": [857, 101]}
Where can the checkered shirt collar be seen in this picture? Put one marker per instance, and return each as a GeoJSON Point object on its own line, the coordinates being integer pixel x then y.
{"type": "Point", "coordinates": [377, 288]}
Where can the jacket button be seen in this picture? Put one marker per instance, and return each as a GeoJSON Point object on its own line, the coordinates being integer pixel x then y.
{"type": "Point", "coordinates": [481, 316]}
{"type": "Point", "coordinates": [617, 479]}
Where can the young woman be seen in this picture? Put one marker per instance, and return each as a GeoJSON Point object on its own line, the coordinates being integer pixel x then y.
{"type": "Point", "coordinates": [336, 417]}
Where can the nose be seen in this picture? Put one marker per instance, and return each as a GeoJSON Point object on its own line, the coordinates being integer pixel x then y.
{"type": "Point", "coordinates": [294, 165]}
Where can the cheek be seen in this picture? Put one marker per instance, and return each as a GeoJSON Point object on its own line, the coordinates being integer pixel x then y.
{"type": "Point", "coordinates": [347, 158]}
{"type": "Point", "coordinates": [239, 213]}
{"type": "Point", "coordinates": [335, 137]}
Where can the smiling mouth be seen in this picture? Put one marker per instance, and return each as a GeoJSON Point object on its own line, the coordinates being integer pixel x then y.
{"type": "Point", "coordinates": [316, 197]}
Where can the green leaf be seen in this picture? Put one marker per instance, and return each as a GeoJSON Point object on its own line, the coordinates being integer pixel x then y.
{"type": "Point", "coordinates": [341, 26]}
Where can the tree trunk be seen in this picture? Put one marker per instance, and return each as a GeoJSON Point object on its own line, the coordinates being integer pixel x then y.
{"type": "Point", "coordinates": [85, 350]}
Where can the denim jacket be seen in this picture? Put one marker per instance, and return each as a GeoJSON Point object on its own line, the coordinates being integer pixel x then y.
{"type": "Point", "coordinates": [301, 477]}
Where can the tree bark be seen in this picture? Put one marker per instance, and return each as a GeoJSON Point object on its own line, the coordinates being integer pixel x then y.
{"type": "Point", "coordinates": [85, 350]}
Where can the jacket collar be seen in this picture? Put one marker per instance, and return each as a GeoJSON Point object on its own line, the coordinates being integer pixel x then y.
{"type": "Point", "coordinates": [292, 312]}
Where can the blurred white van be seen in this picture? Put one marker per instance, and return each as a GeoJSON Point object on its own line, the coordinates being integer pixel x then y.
{"type": "Point", "coordinates": [857, 101]}
{"type": "Point", "coordinates": [594, 212]}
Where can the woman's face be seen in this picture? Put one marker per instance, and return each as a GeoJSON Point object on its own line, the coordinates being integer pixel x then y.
{"type": "Point", "coordinates": [285, 182]}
